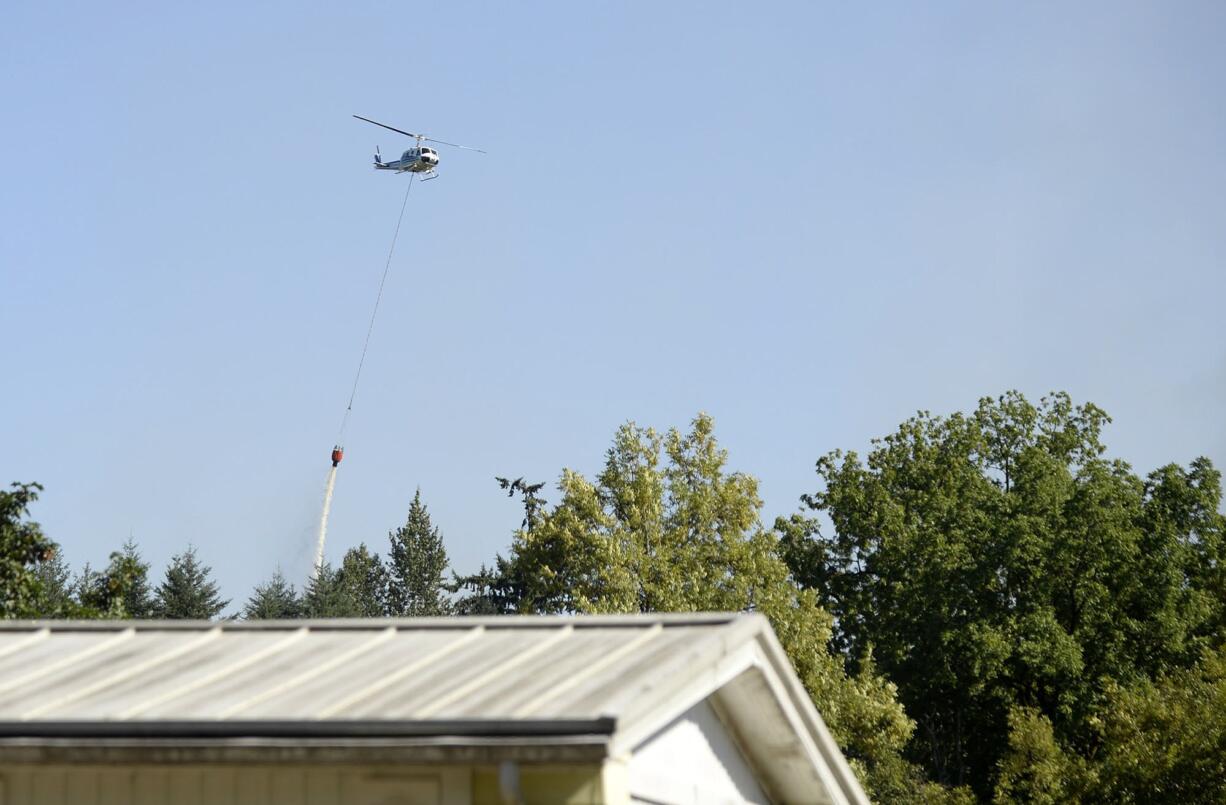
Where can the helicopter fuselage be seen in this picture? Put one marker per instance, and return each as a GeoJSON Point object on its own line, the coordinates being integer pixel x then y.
{"type": "Point", "coordinates": [414, 160]}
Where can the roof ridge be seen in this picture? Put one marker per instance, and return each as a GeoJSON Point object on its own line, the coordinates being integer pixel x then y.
{"type": "Point", "coordinates": [639, 620]}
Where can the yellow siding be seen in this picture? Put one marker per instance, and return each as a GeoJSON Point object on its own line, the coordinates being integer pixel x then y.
{"type": "Point", "coordinates": [556, 785]}
{"type": "Point", "coordinates": [292, 785]}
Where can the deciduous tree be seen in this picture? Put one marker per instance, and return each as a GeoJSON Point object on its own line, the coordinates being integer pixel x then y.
{"type": "Point", "coordinates": [998, 560]}
{"type": "Point", "coordinates": [666, 528]}
{"type": "Point", "coordinates": [22, 546]}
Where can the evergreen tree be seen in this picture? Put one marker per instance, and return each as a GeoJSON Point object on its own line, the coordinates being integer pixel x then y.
{"type": "Point", "coordinates": [327, 597]}
{"type": "Point", "coordinates": [275, 598]}
{"type": "Point", "coordinates": [22, 546]}
{"type": "Point", "coordinates": [55, 598]}
{"type": "Point", "coordinates": [119, 591]}
{"type": "Point", "coordinates": [363, 579]}
{"type": "Point", "coordinates": [187, 591]}
{"type": "Point", "coordinates": [126, 564]}
{"type": "Point", "coordinates": [493, 590]}
{"type": "Point", "coordinates": [88, 591]}
{"type": "Point", "coordinates": [416, 566]}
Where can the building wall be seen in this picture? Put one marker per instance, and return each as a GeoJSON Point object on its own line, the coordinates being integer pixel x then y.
{"type": "Point", "coordinates": [292, 785]}
{"type": "Point", "coordinates": [693, 761]}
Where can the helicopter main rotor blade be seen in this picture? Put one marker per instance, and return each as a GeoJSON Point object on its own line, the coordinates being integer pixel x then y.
{"type": "Point", "coordinates": [453, 145]}
{"type": "Point", "coordinates": [393, 128]}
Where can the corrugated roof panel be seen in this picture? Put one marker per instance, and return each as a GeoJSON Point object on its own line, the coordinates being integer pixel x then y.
{"type": "Point", "coordinates": [207, 660]}
{"type": "Point", "coordinates": [245, 679]}
{"type": "Point", "coordinates": [324, 694]}
{"type": "Point", "coordinates": [634, 674]}
{"type": "Point", "coordinates": [584, 650]}
{"type": "Point", "coordinates": [57, 649]}
{"type": "Point", "coordinates": [118, 658]}
{"type": "Point", "coordinates": [412, 696]}
{"type": "Point", "coordinates": [385, 670]}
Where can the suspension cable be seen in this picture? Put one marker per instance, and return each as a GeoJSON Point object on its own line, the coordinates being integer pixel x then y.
{"type": "Point", "coordinates": [378, 297]}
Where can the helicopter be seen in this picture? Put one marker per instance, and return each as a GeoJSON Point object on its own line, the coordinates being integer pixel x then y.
{"type": "Point", "coordinates": [419, 159]}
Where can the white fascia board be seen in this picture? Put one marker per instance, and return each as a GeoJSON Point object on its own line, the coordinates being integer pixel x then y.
{"type": "Point", "coordinates": [789, 689]}
{"type": "Point", "coordinates": [676, 687]}
{"type": "Point", "coordinates": [748, 646]}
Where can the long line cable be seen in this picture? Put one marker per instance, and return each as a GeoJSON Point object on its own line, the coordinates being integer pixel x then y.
{"type": "Point", "coordinates": [375, 312]}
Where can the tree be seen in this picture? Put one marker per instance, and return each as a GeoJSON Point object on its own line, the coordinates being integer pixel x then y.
{"type": "Point", "coordinates": [126, 580]}
{"type": "Point", "coordinates": [363, 579]}
{"type": "Point", "coordinates": [55, 597]}
{"type": "Point", "coordinates": [327, 597]}
{"type": "Point", "coordinates": [500, 589]}
{"type": "Point", "coordinates": [22, 546]}
{"type": "Point", "coordinates": [119, 591]}
{"type": "Point", "coordinates": [187, 592]}
{"type": "Point", "coordinates": [275, 598]}
{"type": "Point", "coordinates": [1036, 768]}
{"type": "Point", "coordinates": [665, 528]}
{"type": "Point", "coordinates": [997, 563]}
{"type": "Point", "coordinates": [1158, 740]}
{"type": "Point", "coordinates": [1164, 740]}
{"type": "Point", "coordinates": [490, 591]}
{"type": "Point", "coordinates": [417, 563]}
{"type": "Point", "coordinates": [358, 589]}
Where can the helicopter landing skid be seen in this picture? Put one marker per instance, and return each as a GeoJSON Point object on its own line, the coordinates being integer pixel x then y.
{"type": "Point", "coordinates": [428, 175]}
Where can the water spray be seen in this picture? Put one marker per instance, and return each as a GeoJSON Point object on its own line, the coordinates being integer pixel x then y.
{"type": "Point", "coordinates": [323, 522]}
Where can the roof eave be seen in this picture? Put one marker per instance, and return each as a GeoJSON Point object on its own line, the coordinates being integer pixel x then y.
{"type": "Point", "coordinates": [438, 749]}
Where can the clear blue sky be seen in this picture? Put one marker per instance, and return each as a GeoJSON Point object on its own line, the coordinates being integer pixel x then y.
{"type": "Point", "coordinates": [807, 219]}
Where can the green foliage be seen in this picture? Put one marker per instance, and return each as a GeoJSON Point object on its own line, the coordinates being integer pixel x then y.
{"type": "Point", "coordinates": [275, 598]}
{"type": "Point", "coordinates": [22, 546]}
{"type": "Point", "coordinates": [1036, 768]}
{"type": "Point", "coordinates": [187, 592]}
{"type": "Point", "coordinates": [357, 589]}
{"type": "Point", "coordinates": [137, 596]}
{"type": "Point", "coordinates": [119, 591]}
{"type": "Point", "coordinates": [490, 591]}
{"type": "Point", "coordinates": [327, 597]}
{"type": "Point", "coordinates": [55, 591]}
{"type": "Point", "coordinates": [363, 581]}
{"type": "Point", "coordinates": [665, 528]}
{"type": "Point", "coordinates": [417, 564]}
{"type": "Point", "coordinates": [1160, 740]}
{"type": "Point", "coordinates": [1165, 740]}
{"type": "Point", "coordinates": [997, 563]}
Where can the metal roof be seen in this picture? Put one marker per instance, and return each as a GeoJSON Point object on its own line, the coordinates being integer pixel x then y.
{"type": "Point", "coordinates": [608, 681]}
{"type": "Point", "coordinates": [491, 669]}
